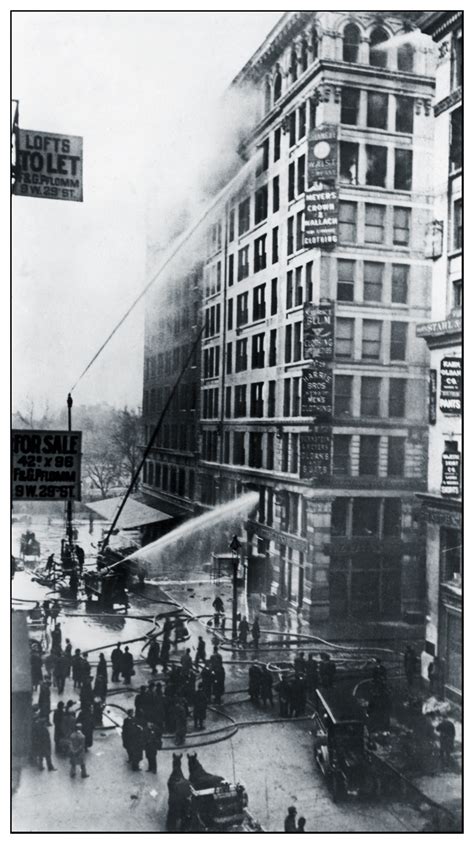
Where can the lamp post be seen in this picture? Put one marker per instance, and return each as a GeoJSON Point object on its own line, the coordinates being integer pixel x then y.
{"type": "Point", "coordinates": [234, 546]}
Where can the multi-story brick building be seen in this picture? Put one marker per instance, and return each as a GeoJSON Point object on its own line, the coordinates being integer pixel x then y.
{"type": "Point", "coordinates": [337, 532]}
{"type": "Point", "coordinates": [442, 503]}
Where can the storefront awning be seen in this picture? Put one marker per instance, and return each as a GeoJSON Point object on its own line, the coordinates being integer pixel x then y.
{"type": "Point", "coordinates": [134, 514]}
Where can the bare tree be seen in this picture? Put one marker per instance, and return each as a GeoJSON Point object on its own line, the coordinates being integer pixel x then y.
{"type": "Point", "coordinates": [127, 438]}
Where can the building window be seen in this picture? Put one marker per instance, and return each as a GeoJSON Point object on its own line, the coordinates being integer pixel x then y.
{"type": "Point", "coordinates": [226, 446]}
{"type": "Point", "coordinates": [351, 42]}
{"type": "Point", "coordinates": [272, 353]}
{"type": "Point", "coordinates": [259, 254]}
{"type": "Point", "coordinates": [376, 172]}
{"type": "Point", "coordinates": [302, 121]}
{"type": "Point", "coordinates": [259, 302]}
{"type": "Point", "coordinates": [401, 226]}
{"type": "Point", "coordinates": [243, 263]}
{"type": "Point", "coordinates": [274, 301]}
{"type": "Point", "coordinates": [230, 313]}
{"type": "Point", "coordinates": [396, 398]}
{"type": "Point", "coordinates": [404, 115]}
{"type": "Point", "coordinates": [374, 223]}
{"type": "Point", "coordinates": [271, 399]}
{"type": "Point", "coordinates": [371, 339]}
{"type": "Point", "coordinates": [242, 309]}
{"type": "Point", "coordinates": [369, 456]}
{"type": "Point", "coordinates": [403, 169]}
{"type": "Point", "coordinates": [294, 452]}
{"type": "Point", "coordinates": [457, 224]}
{"type": "Point", "coordinates": [348, 221]}
{"type": "Point", "coordinates": [229, 359]}
{"type": "Point", "coordinates": [344, 341]}
{"type": "Point", "coordinates": [270, 454]}
{"type": "Point", "coordinates": [256, 400]}
{"type": "Point", "coordinates": [289, 289]}
{"type": "Point", "coordinates": [293, 66]}
{"type": "Point", "coordinates": [240, 400]}
{"type": "Point", "coordinates": [291, 181]}
{"type": "Point", "coordinates": [301, 174]}
{"type": "Point", "coordinates": [287, 397]}
{"type": "Point", "coordinates": [267, 96]}
{"type": "Point", "coordinates": [298, 286]}
{"type": "Point", "coordinates": [241, 356]}
{"type": "Point", "coordinates": [348, 163]}
{"type": "Point", "coordinates": [277, 145]}
{"type": "Point", "coordinates": [398, 340]}
{"type": "Point", "coordinates": [456, 59]}
{"type": "Point", "coordinates": [265, 154]}
{"type": "Point", "coordinates": [377, 110]}
{"type": "Point", "coordinates": [299, 229]}
{"type": "Point", "coordinates": [258, 353]}
{"type": "Point", "coordinates": [373, 281]}
{"type": "Point", "coordinates": [396, 457]}
{"type": "Point", "coordinates": [370, 396]}
{"type": "Point", "coordinates": [276, 194]}
{"type": "Point", "coordinates": [285, 444]}
{"type": "Point", "coordinates": [450, 544]}
{"type": "Point", "coordinates": [275, 245]}
{"type": "Point", "coordinates": [288, 338]}
{"type": "Point", "coordinates": [457, 294]}
{"type": "Point", "coordinates": [296, 397]}
{"type": "Point", "coordinates": [405, 57]}
{"type": "Point", "coordinates": [231, 270]}
{"type": "Point", "coordinates": [231, 224]}
{"type": "Point", "coordinates": [244, 216]}
{"type": "Point", "coordinates": [239, 448]}
{"type": "Point", "coordinates": [261, 204]}
{"type": "Point", "coordinates": [455, 148]}
{"type": "Point", "coordinates": [291, 245]}
{"type": "Point", "coordinates": [340, 516]}
{"type": "Point", "coordinates": [345, 280]}
{"type": "Point", "coordinates": [350, 100]}
{"type": "Point", "coordinates": [297, 344]}
{"type": "Point", "coordinates": [292, 128]}
{"type": "Point", "coordinates": [309, 281]}
{"type": "Point", "coordinates": [341, 457]}
{"type": "Point", "coordinates": [343, 395]}
{"type": "Point", "coordinates": [228, 402]}
{"type": "Point", "coordinates": [255, 449]}
{"type": "Point", "coordinates": [378, 54]}
{"type": "Point", "coordinates": [400, 284]}
{"type": "Point", "coordinates": [277, 87]}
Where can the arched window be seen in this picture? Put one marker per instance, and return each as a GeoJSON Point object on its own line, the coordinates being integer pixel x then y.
{"type": "Point", "coordinates": [351, 41]}
{"type": "Point", "coordinates": [267, 96]}
{"type": "Point", "coordinates": [314, 42]}
{"type": "Point", "coordinates": [405, 58]}
{"type": "Point", "coordinates": [277, 87]}
{"type": "Point", "coordinates": [378, 55]}
{"type": "Point", "coordinates": [293, 66]}
{"type": "Point", "coordinates": [304, 56]}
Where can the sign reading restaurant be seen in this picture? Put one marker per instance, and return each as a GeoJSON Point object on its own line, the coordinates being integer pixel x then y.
{"type": "Point", "coordinates": [48, 166]}
{"type": "Point", "coordinates": [46, 465]}
{"type": "Point", "coordinates": [450, 385]}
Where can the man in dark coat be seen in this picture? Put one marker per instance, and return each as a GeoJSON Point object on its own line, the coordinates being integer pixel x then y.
{"type": "Point", "coordinates": [410, 665]}
{"type": "Point", "coordinates": [36, 669]}
{"type": "Point", "coordinates": [127, 669]}
{"type": "Point", "coordinates": [68, 655]}
{"type": "Point", "coordinates": [80, 557]}
{"type": "Point", "coordinates": [379, 672]}
{"type": "Point", "coordinates": [153, 656]}
{"type": "Point", "coordinates": [255, 632]}
{"type": "Point", "coordinates": [116, 660]}
{"type": "Point", "coordinates": [127, 732]}
{"type": "Point", "coordinates": [218, 683]}
{"type": "Point", "coordinates": [60, 672]}
{"type": "Point", "coordinates": [311, 675]}
{"type": "Point", "coordinates": [244, 628]}
{"type": "Point", "coordinates": [200, 652]}
{"type": "Point", "coordinates": [44, 699]}
{"type": "Point", "coordinates": [266, 686]}
{"type": "Point", "coordinates": [284, 691]}
{"type": "Point", "coordinates": [206, 680]}
{"type": "Point", "coordinates": [42, 744]}
{"type": "Point", "coordinates": [140, 703]}
{"type": "Point", "coordinates": [86, 721]}
{"type": "Point", "coordinates": [215, 660]}
{"type": "Point", "coordinates": [255, 682]}
{"type": "Point", "coordinates": [327, 671]}
{"type": "Point", "coordinates": [300, 663]}
{"type": "Point", "coordinates": [447, 734]}
{"type": "Point", "coordinates": [290, 820]}
{"type": "Point", "coordinates": [86, 695]}
{"type": "Point", "coordinates": [77, 669]}
{"type": "Point", "coordinates": [199, 707]}
{"type": "Point", "coordinates": [56, 639]}
{"type": "Point", "coordinates": [165, 654]}
{"type": "Point", "coordinates": [85, 668]}
{"type": "Point", "coordinates": [181, 713]}
{"type": "Point", "coordinates": [152, 743]}
{"type": "Point", "coordinates": [58, 721]}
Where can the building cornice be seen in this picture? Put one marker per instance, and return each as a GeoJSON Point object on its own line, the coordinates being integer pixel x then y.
{"type": "Point", "coordinates": [437, 24]}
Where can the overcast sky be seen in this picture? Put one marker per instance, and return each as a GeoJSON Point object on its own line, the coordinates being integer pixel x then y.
{"type": "Point", "coordinates": [143, 90]}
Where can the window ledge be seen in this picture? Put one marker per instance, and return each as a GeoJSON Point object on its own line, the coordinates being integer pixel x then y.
{"type": "Point", "coordinates": [454, 253]}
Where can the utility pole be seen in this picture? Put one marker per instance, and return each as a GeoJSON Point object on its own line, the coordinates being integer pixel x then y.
{"type": "Point", "coordinates": [234, 546]}
{"type": "Point", "coordinates": [69, 503]}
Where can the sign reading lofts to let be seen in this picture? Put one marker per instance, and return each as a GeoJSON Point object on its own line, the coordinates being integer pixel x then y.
{"type": "Point", "coordinates": [48, 166]}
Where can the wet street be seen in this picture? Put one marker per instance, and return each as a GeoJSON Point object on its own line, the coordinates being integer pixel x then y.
{"type": "Point", "coordinates": [271, 756]}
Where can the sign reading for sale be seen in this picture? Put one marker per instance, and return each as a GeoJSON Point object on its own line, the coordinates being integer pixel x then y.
{"type": "Point", "coordinates": [48, 166]}
{"type": "Point", "coordinates": [46, 465]}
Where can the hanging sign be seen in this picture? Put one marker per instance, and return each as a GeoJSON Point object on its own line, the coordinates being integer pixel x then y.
{"type": "Point", "coordinates": [432, 397]}
{"type": "Point", "coordinates": [321, 216]}
{"type": "Point", "coordinates": [450, 385]}
{"type": "Point", "coordinates": [316, 395]}
{"type": "Point", "coordinates": [46, 465]}
{"type": "Point", "coordinates": [315, 455]}
{"type": "Point", "coordinates": [318, 331]}
{"type": "Point", "coordinates": [48, 165]}
{"type": "Point", "coordinates": [322, 154]}
{"type": "Point", "coordinates": [451, 473]}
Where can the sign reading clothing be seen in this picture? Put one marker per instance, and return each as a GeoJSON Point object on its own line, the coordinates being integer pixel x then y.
{"type": "Point", "coordinates": [48, 166]}
{"type": "Point", "coordinates": [46, 465]}
{"type": "Point", "coordinates": [450, 386]}
{"type": "Point", "coordinates": [321, 217]}
{"type": "Point", "coordinates": [322, 154]}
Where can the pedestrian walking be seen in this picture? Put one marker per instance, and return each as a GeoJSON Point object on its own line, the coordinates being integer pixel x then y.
{"type": "Point", "coordinates": [153, 656]}
{"type": "Point", "coordinates": [46, 611]}
{"type": "Point", "coordinates": [152, 743]}
{"type": "Point", "coordinates": [100, 685]}
{"type": "Point", "coordinates": [447, 734]}
{"type": "Point", "coordinates": [77, 753]}
{"type": "Point", "coordinates": [76, 665]}
{"type": "Point", "coordinates": [68, 727]}
{"type": "Point", "coordinates": [165, 654]}
{"type": "Point", "coordinates": [215, 660]}
{"type": "Point", "coordinates": [54, 612]}
{"type": "Point", "coordinates": [50, 564]}
{"type": "Point", "coordinates": [290, 820]}
{"type": "Point", "coordinates": [255, 683]}
{"type": "Point", "coordinates": [199, 707]}
{"type": "Point", "coordinates": [255, 632]}
{"type": "Point", "coordinates": [244, 628]}
{"type": "Point", "coordinates": [56, 638]}
{"type": "Point", "coordinates": [200, 652]}
{"type": "Point", "coordinates": [36, 669]}
{"type": "Point", "coordinates": [116, 660]}
{"type": "Point", "coordinates": [86, 721]}
{"type": "Point", "coordinates": [218, 684]}
{"type": "Point", "coordinates": [301, 824]}
{"type": "Point", "coordinates": [127, 670]}
{"type": "Point", "coordinates": [58, 721]}
{"type": "Point", "coordinates": [218, 606]}
{"type": "Point", "coordinates": [266, 686]}
{"type": "Point", "coordinates": [68, 655]}
{"type": "Point", "coordinates": [44, 699]}
{"type": "Point", "coordinates": [60, 672]}
{"type": "Point", "coordinates": [85, 668]}
{"type": "Point", "coordinates": [181, 713]}
{"type": "Point", "coordinates": [127, 732]}
{"type": "Point", "coordinates": [41, 743]}
{"type": "Point", "coordinates": [140, 703]}
{"type": "Point", "coordinates": [80, 558]}
{"type": "Point", "coordinates": [86, 695]}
